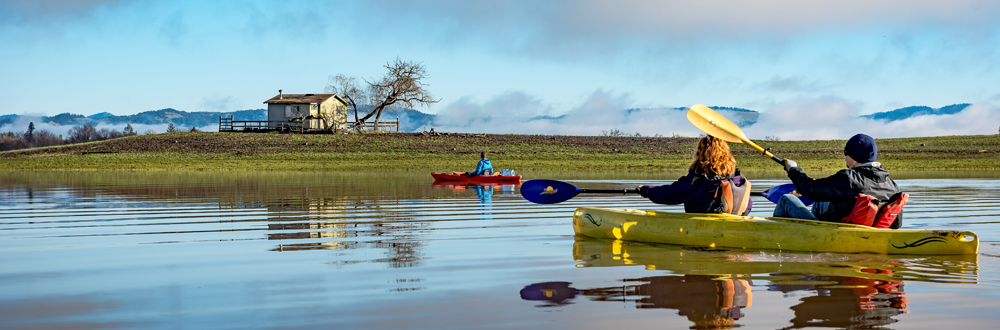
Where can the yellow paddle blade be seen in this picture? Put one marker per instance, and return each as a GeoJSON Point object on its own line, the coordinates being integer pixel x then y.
{"type": "Point", "coordinates": [714, 124]}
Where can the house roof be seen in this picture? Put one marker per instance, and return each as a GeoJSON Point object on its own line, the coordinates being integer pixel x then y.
{"type": "Point", "coordinates": [300, 98]}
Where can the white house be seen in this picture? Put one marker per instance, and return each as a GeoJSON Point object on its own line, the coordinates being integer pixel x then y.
{"type": "Point", "coordinates": [315, 111]}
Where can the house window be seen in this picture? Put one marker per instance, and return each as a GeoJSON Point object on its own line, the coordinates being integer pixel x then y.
{"type": "Point", "coordinates": [291, 111]}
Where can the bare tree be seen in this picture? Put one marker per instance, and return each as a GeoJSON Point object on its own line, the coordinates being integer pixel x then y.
{"type": "Point", "coordinates": [402, 85]}
{"type": "Point", "coordinates": [85, 133]}
{"type": "Point", "coordinates": [347, 88]}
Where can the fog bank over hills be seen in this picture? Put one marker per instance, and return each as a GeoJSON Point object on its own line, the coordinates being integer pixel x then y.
{"type": "Point", "coordinates": [827, 118]}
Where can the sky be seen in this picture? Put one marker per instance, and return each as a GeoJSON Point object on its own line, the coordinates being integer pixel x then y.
{"type": "Point", "coordinates": [809, 67]}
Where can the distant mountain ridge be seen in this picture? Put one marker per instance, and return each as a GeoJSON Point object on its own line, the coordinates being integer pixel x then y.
{"type": "Point", "coordinates": [181, 119]}
{"type": "Point", "coordinates": [411, 120]}
{"type": "Point", "coordinates": [907, 112]}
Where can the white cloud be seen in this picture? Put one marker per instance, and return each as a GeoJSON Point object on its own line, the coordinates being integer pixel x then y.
{"type": "Point", "coordinates": [586, 24]}
{"type": "Point", "coordinates": [20, 125]}
{"type": "Point", "coordinates": [790, 84]}
{"type": "Point", "coordinates": [518, 112]}
{"type": "Point", "coordinates": [822, 118]}
{"type": "Point", "coordinates": [829, 118]}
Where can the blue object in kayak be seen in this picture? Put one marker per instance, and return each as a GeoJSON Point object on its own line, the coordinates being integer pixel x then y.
{"type": "Point", "coordinates": [774, 193]}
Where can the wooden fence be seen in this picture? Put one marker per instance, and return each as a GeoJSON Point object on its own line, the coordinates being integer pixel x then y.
{"type": "Point", "coordinates": [227, 124]}
{"type": "Point", "coordinates": [383, 125]}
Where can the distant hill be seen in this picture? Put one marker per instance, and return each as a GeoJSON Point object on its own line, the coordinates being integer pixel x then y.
{"type": "Point", "coordinates": [409, 120]}
{"type": "Point", "coordinates": [907, 112]}
{"type": "Point", "coordinates": [156, 117]}
{"type": "Point", "coordinates": [412, 120]}
{"type": "Point", "coordinates": [100, 115]}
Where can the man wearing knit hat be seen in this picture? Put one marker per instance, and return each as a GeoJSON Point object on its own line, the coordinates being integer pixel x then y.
{"type": "Point", "coordinates": [834, 196]}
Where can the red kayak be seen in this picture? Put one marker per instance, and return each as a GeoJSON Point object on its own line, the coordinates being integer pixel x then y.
{"type": "Point", "coordinates": [464, 177]}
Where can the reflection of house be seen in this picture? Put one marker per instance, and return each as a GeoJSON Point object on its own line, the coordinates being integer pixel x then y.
{"type": "Point", "coordinates": [314, 111]}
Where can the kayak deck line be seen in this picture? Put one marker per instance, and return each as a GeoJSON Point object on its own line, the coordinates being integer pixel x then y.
{"type": "Point", "coordinates": [731, 231]}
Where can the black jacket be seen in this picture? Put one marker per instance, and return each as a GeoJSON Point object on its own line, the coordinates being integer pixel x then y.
{"type": "Point", "coordinates": [695, 190]}
{"type": "Point", "coordinates": [842, 188]}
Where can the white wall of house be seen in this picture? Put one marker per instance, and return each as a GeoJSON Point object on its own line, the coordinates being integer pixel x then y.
{"type": "Point", "coordinates": [338, 110]}
{"type": "Point", "coordinates": [331, 107]}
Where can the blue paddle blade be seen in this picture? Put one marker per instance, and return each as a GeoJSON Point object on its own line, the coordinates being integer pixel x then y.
{"type": "Point", "coordinates": [541, 191]}
{"type": "Point", "coordinates": [774, 194]}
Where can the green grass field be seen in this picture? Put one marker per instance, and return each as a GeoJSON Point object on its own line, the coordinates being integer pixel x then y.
{"type": "Point", "coordinates": [459, 152]}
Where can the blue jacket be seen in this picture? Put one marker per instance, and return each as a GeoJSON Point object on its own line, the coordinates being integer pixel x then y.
{"type": "Point", "coordinates": [695, 190]}
{"type": "Point", "coordinates": [482, 166]}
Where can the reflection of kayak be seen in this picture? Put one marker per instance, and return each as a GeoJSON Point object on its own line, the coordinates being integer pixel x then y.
{"type": "Point", "coordinates": [456, 185]}
{"type": "Point", "coordinates": [464, 177]}
{"type": "Point", "coordinates": [675, 259]}
{"type": "Point", "coordinates": [459, 185]}
{"type": "Point", "coordinates": [721, 230]}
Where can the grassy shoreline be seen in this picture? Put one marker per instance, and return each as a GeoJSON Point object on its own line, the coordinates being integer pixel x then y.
{"type": "Point", "coordinates": [448, 152]}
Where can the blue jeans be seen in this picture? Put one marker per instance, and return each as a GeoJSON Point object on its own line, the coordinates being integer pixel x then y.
{"type": "Point", "coordinates": [790, 206]}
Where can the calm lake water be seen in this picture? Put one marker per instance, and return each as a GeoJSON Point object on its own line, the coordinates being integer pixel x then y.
{"type": "Point", "coordinates": [389, 250]}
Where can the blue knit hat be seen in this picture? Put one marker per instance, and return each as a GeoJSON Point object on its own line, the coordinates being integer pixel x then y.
{"type": "Point", "coordinates": [861, 148]}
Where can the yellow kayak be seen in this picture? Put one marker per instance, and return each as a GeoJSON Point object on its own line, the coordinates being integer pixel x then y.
{"type": "Point", "coordinates": [731, 231]}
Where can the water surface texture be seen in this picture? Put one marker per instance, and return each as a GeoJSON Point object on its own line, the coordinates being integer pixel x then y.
{"type": "Point", "coordinates": [391, 250]}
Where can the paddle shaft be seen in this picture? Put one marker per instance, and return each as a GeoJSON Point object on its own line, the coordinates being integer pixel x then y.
{"type": "Point", "coordinates": [609, 191]}
{"type": "Point", "coordinates": [636, 191]}
{"type": "Point", "coordinates": [764, 152]}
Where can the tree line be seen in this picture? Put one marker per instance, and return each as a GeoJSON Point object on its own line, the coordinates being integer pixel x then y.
{"type": "Point", "coordinates": [34, 138]}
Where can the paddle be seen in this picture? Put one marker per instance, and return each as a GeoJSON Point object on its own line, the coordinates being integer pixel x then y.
{"type": "Point", "coordinates": [773, 194]}
{"type": "Point", "coordinates": [542, 191]}
{"type": "Point", "coordinates": [714, 124]}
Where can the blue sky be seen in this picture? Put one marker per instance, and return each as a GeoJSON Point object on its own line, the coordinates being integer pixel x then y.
{"type": "Point", "coordinates": [513, 59]}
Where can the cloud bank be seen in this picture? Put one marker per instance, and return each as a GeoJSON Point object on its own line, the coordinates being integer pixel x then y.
{"type": "Point", "coordinates": [20, 125]}
{"type": "Point", "coordinates": [822, 118]}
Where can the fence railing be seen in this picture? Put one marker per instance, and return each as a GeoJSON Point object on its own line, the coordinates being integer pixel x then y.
{"type": "Point", "coordinates": [227, 124]}
{"type": "Point", "coordinates": [383, 125]}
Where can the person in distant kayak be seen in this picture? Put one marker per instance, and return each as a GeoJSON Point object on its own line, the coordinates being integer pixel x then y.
{"type": "Point", "coordinates": [484, 166]}
{"type": "Point", "coordinates": [713, 184]}
{"type": "Point", "coordinates": [835, 196]}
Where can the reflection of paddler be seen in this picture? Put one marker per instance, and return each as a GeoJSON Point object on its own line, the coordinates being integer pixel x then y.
{"type": "Point", "coordinates": [848, 302]}
{"type": "Point", "coordinates": [703, 299]}
{"type": "Point", "coordinates": [485, 193]}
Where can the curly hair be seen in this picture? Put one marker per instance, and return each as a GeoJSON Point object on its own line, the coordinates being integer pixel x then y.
{"type": "Point", "coordinates": [713, 157]}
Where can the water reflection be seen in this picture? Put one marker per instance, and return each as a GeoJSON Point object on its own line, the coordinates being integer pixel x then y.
{"type": "Point", "coordinates": [707, 301]}
{"type": "Point", "coordinates": [484, 191]}
{"type": "Point", "coordinates": [689, 260]}
{"type": "Point", "coordinates": [845, 302]}
{"type": "Point", "coordinates": [552, 294]}
{"type": "Point", "coordinates": [344, 250]}
{"type": "Point", "coordinates": [714, 288]}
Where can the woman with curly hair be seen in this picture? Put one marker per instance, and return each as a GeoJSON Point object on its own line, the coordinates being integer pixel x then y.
{"type": "Point", "coordinates": [713, 183]}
